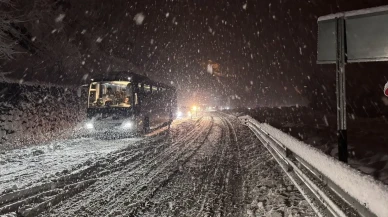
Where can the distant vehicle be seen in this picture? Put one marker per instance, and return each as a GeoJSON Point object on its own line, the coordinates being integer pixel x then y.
{"type": "Point", "coordinates": [129, 102]}
{"type": "Point", "coordinates": [183, 112]}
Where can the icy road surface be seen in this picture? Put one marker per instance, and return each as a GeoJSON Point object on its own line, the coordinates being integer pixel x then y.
{"type": "Point", "coordinates": [210, 166]}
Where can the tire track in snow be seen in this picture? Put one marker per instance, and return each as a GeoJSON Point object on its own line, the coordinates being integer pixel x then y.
{"type": "Point", "coordinates": [226, 197]}
{"type": "Point", "coordinates": [208, 187]}
{"type": "Point", "coordinates": [110, 165]}
{"type": "Point", "coordinates": [210, 167]}
{"type": "Point", "coordinates": [113, 193]}
{"type": "Point", "coordinates": [207, 190]}
{"type": "Point", "coordinates": [191, 149]}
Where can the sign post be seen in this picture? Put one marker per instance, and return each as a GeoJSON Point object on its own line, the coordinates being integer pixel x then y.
{"type": "Point", "coordinates": [349, 37]}
{"type": "Point", "coordinates": [341, 91]}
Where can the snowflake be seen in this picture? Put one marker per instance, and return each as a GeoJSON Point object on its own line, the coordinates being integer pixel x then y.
{"type": "Point", "coordinates": [60, 18]}
{"type": "Point", "coordinates": [139, 18]}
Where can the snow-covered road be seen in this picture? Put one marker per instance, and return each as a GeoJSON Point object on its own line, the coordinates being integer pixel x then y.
{"type": "Point", "coordinates": [210, 166]}
{"type": "Point", "coordinates": [27, 167]}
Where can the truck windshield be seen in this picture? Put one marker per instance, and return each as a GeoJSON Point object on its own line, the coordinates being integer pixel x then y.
{"type": "Point", "coordinates": [110, 94]}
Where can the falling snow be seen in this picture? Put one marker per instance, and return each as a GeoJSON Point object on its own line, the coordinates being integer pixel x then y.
{"type": "Point", "coordinates": [245, 6]}
{"type": "Point", "coordinates": [221, 57]}
{"type": "Point", "coordinates": [139, 18]}
{"type": "Point", "coordinates": [60, 18]}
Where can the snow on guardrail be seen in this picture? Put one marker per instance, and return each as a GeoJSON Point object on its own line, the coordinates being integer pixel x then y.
{"type": "Point", "coordinates": [363, 188]}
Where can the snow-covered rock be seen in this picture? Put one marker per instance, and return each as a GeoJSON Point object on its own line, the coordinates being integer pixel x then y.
{"type": "Point", "coordinates": [31, 114]}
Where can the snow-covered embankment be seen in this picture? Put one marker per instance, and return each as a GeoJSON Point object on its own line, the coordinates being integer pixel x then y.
{"type": "Point", "coordinates": [31, 114]}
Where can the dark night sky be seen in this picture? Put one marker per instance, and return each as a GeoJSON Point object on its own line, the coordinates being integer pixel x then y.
{"type": "Point", "coordinates": [267, 48]}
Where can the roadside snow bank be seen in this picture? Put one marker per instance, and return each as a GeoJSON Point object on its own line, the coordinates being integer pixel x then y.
{"type": "Point", "coordinates": [373, 194]}
{"type": "Point", "coordinates": [31, 114]}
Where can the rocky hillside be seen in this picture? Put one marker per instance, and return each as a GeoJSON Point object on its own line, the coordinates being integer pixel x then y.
{"type": "Point", "coordinates": [34, 113]}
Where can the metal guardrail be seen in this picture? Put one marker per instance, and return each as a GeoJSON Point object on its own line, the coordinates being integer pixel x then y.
{"type": "Point", "coordinates": [325, 197]}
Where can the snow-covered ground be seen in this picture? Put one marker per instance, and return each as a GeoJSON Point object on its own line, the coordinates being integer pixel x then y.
{"type": "Point", "coordinates": [208, 166]}
{"type": "Point", "coordinates": [21, 168]}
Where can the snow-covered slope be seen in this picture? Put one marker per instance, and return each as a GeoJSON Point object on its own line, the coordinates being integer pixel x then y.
{"type": "Point", "coordinates": [30, 114]}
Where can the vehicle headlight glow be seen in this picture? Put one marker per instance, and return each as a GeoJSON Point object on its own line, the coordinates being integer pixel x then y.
{"type": "Point", "coordinates": [89, 125]}
{"type": "Point", "coordinates": [127, 125]}
{"type": "Point", "coordinates": [179, 114]}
